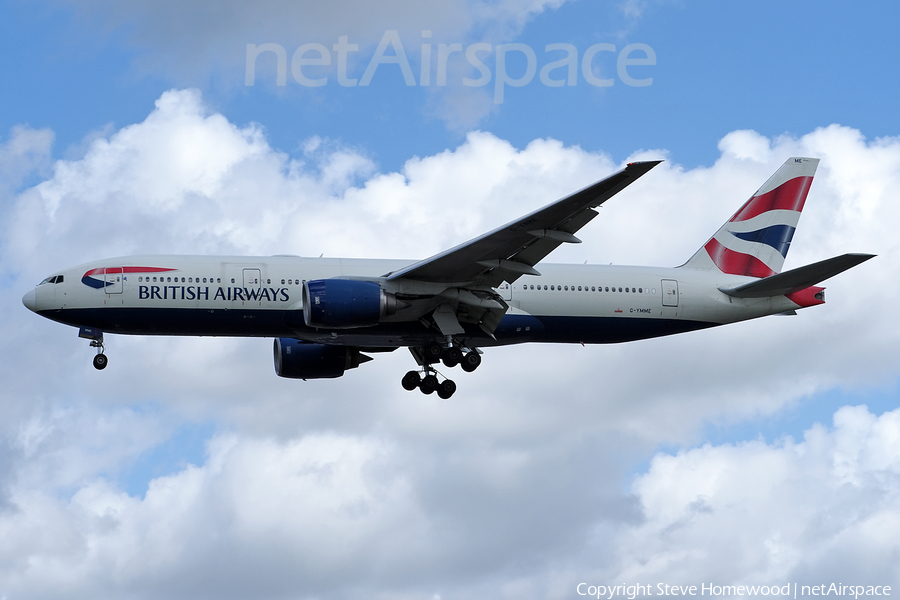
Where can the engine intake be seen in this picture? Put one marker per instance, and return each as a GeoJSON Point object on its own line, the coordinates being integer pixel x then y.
{"type": "Point", "coordinates": [303, 360]}
{"type": "Point", "coordinates": [346, 303]}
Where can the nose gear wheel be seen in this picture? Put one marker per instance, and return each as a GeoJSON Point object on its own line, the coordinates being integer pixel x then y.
{"type": "Point", "coordinates": [100, 360]}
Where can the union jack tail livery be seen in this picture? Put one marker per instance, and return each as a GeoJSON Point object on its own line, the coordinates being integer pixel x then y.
{"type": "Point", "coordinates": [756, 240]}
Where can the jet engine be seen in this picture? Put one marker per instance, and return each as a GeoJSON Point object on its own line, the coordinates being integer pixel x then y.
{"type": "Point", "coordinates": [303, 360]}
{"type": "Point", "coordinates": [346, 303]}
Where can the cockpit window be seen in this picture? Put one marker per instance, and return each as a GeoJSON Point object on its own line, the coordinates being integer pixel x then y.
{"type": "Point", "coordinates": [54, 279]}
{"type": "Point", "coordinates": [59, 279]}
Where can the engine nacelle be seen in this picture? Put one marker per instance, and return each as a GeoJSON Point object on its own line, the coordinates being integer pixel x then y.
{"type": "Point", "coordinates": [303, 360]}
{"type": "Point", "coordinates": [345, 303]}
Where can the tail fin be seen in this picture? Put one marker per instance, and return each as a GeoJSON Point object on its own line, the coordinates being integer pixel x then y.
{"type": "Point", "coordinates": [755, 241]}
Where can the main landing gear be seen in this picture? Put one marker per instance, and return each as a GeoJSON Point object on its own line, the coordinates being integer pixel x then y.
{"type": "Point", "coordinates": [429, 383]}
{"type": "Point", "coordinates": [426, 356]}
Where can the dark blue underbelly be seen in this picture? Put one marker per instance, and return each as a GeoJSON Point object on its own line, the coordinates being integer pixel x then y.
{"type": "Point", "coordinates": [275, 323]}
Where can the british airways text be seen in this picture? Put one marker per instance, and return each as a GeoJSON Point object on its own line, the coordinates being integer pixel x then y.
{"type": "Point", "coordinates": [193, 292]}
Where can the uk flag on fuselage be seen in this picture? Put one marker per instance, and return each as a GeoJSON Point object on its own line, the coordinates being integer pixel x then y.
{"type": "Point", "coordinates": [755, 241]}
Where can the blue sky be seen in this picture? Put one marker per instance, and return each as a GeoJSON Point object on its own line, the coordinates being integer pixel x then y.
{"type": "Point", "coordinates": [741, 454]}
{"type": "Point", "coordinates": [773, 68]}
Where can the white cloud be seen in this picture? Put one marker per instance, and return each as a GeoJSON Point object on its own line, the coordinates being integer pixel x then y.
{"type": "Point", "coordinates": [354, 487]}
{"type": "Point", "coordinates": [25, 151]}
{"type": "Point", "coordinates": [746, 144]}
{"type": "Point", "coordinates": [761, 513]}
{"type": "Point", "coordinates": [328, 515]}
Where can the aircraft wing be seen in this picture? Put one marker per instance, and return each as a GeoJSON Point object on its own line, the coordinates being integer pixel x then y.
{"type": "Point", "coordinates": [513, 250]}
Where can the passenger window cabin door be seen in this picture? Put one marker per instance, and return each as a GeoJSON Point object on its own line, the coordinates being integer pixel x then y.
{"type": "Point", "coordinates": [669, 292]}
{"type": "Point", "coordinates": [252, 278]}
{"type": "Point", "coordinates": [252, 283]}
{"type": "Point", "coordinates": [112, 276]}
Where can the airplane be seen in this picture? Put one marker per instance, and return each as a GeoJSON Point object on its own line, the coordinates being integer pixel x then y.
{"type": "Point", "coordinates": [328, 315]}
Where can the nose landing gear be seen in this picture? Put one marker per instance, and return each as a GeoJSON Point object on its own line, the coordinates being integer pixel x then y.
{"type": "Point", "coordinates": [96, 337]}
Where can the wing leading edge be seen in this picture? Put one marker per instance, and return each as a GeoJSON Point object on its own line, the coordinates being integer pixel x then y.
{"type": "Point", "coordinates": [510, 251]}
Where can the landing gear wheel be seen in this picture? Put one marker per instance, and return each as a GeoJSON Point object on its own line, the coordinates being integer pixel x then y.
{"type": "Point", "coordinates": [411, 381]}
{"type": "Point", "coordinates": [452, 356]}
{"type": "Point", "coordinates": [429, 384]}
{"type": "Point", "coordinates": [100, 362]}
{"type": "Point", "coordinates": [446, 389]}
{"type": "Point", "coordinates": [433, 352]}
{"type": "Point", "coordinates": [471, 361]}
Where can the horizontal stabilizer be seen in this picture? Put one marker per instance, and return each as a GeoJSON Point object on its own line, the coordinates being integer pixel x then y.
{"type": "Point", "coordinates": [797, 279]}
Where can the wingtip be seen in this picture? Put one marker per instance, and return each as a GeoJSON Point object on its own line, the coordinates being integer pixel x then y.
{"type": "Point", "coordinates": [644, 163]}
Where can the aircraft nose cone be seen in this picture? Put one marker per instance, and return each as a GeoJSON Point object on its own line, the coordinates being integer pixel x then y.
{"type": "Point", "coordinates": [29, 300]}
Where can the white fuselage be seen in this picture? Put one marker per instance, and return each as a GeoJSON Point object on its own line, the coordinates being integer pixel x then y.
{"type": "Point", "coordinates": [261, 297]}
